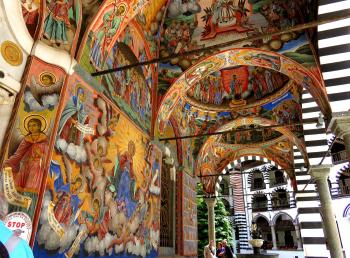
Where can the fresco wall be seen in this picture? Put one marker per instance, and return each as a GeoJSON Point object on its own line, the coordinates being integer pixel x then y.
{"type": "Point", "coordinates": [27, 148]}
{"type": "Point", "coordinates": [205, 23]}
{"type": "Point", "coordinates": [103, 187]}
{"type": "Point", "coordinates": [61, 23]}
{"type": "Point", "coordinates": [190, 232]}
{"type": "Point", "coordinates": [131, 89]}
{"type": "Point", "coordinates": [104, 31]}
{"type": "Point", "coordinates": [31, 11]}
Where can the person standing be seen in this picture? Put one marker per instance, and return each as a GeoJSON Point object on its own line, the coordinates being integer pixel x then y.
{"type": "Point", "coordinates": [209, 250]}
{"type": "Point", "coordinates": [228, 251]}
{"type": "Point", "coordinates": [220, 252]}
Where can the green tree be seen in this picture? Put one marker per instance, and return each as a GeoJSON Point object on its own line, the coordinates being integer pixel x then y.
{"type": "Point", "coordinates": [222, 224]}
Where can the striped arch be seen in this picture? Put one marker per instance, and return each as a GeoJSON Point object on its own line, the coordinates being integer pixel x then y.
{"type": "Point", "coordinates": [346, 212]}
{"type": "Point", "coordinates": [343, 170]}
{"type": "Point", "coordinates": [259, 215]}
{"type": "Point", "coordinates": [235, 57]}
{"type": "Point", "coordinates": [232, 164]}
{"type": "Point", "coordinates": [274, 219]}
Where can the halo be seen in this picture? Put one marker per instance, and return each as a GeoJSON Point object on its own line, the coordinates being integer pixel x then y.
{"type": "Point", "coordinates": [124, 7]}
{"type": "Point", "coordinates": [51, 75]}
{"type": "Point", "coordinates": [41, 118]}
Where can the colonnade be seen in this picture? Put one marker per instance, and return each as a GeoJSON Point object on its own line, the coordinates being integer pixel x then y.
{"type": "Point", "coordinates": [340, 126]}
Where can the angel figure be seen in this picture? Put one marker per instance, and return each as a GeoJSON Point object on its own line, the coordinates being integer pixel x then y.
{"type": "Point", "coordinates": [47, 85]}
{"type": "Point", "coordinates": [27, 161]}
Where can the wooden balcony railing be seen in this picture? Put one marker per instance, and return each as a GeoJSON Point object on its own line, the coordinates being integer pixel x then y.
{"type": "Point", "coordinates": [339, 157]}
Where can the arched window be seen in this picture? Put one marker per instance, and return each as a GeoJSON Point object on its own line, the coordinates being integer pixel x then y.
{"type": "Point", "coordinates": [257, 180]}
{"type": "Point", "coordinates": [280, 199]}
{"type": "Point", "coordinates": [285, 232]}
{"type": "Point", "coordinates": [259, 202]}
{"type": "Point", "coordinates": [338, 152]}
{"type": "Point", "coordinates": [265, 230]}
{"type": "Point", "coordinates": [344, 183]}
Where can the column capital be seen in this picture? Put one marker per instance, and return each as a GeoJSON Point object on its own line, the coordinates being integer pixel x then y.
{"type": "Point", "coordinates": [340, 123]}
{"type": "Point", "coordinates": [210, 201]}
{"type": "Point", "coordinates": [320, 171]}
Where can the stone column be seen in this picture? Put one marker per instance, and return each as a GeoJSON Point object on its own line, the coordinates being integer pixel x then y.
{"type": "Point", "coordinates": [211, 217]}
{"type": "Point", "coordinates": [273, 233]}
{"type": "Point", "coordinates": [298, 235]}
{"type": "Point", "coordinates": [269, 202]}
{"type": "Point", "coordinates": [340, 126]}
{"type": "Point", "coordinates": [320, 174]}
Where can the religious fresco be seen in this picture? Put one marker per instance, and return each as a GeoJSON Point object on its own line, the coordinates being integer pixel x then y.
{"type": "Point", "coordinates": [205, 23]}
{"type": "Point", "coordinates": [189, 215]}
{"type": "Point", "coordinates": [250, 134]}
{"type": "Point", "coordinates": [103, 189]}
{"type": "Point", "coordinates": [27, 146]}
{"type": "Point", "coordinates": [285, 111]}
{"type": "Point", "coordinates": [284, 150]}
{"type": "Point", "coordinates": [216, 155]}
{"type": "Point", "coordinates": [188, 160]}
{"type": "Point", "coordinates": [247, 57]}
{"type": "Point", "coordinates": [61, 25]}
{"type": "Point", "coordinates": [237, 87]}
{"type": "Point", "coordinates": [215, 22]}
{"type": "Point", "coordinates": [131, 89]}
{"type": "Point", "coordinates": [31, 14]}
{"type": "Point", "coordinates": [103, 32]}
{"type": "Point", "coordinates": [150, 20]}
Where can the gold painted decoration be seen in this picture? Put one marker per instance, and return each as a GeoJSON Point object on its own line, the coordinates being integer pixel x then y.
{"type": "Point", "coordinates": [11, 53]}
{"type": "Point", "coordinates": [47, 79]}
{"type": "Point", "coordinates": [54, 224]}
{"type": "Point", "coordinates": [11, 194]}
{"type": "Point", "coordinates": [28, 119]}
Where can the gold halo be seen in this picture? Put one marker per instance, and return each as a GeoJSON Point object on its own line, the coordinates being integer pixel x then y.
{"type": "Point", "coordinates": [124, 7]}
{"type": "Point", "coordinates": [51, 75]}
{"type": "Point", "coordinates": [11, 53]}
{"type": "Point", "coordinates": [41, 118]}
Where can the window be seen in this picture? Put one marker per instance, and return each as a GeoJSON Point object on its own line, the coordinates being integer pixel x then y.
{"type": "Point", "coordinates": [257, 181]}
{"type": "Point", "coordinates": [259, 203]}
{"type": "Point", "coordinates": [280, 199]}
{"type": "Point", "coordinates": [344, 184]}
{"type": "Point", "coordinates": [279, 177]}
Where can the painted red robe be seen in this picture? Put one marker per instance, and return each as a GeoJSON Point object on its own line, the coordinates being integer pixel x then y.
{"type": "Point", "coordinates": [27, 163]}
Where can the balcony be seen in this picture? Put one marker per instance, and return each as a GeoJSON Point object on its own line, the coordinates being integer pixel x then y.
{"type": "Point", "coordinates": [339, 157]}
{"type": "Point", "coordinates": [281, 204]}
{"type": "Point", "coordinates": [259, 207]}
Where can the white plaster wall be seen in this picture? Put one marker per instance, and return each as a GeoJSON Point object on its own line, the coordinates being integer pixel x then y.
{"type": "Point", "coordinates": [13, 28]}
{"type": "Point", "coordinates": [6, 105]}
{"type": "Point", "coordinates": [339, 205]}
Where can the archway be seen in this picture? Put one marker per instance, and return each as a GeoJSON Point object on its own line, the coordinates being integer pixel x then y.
{"type": "Point", "coordinates": [244, 57]}
{"type": "Point", "coordinates": [285, 231]}
{"type": "Point", "coordinates": [263, 226]}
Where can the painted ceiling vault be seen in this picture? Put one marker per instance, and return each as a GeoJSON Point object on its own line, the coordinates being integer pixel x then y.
{"type": "Point", "coordinates": [241, 87]}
